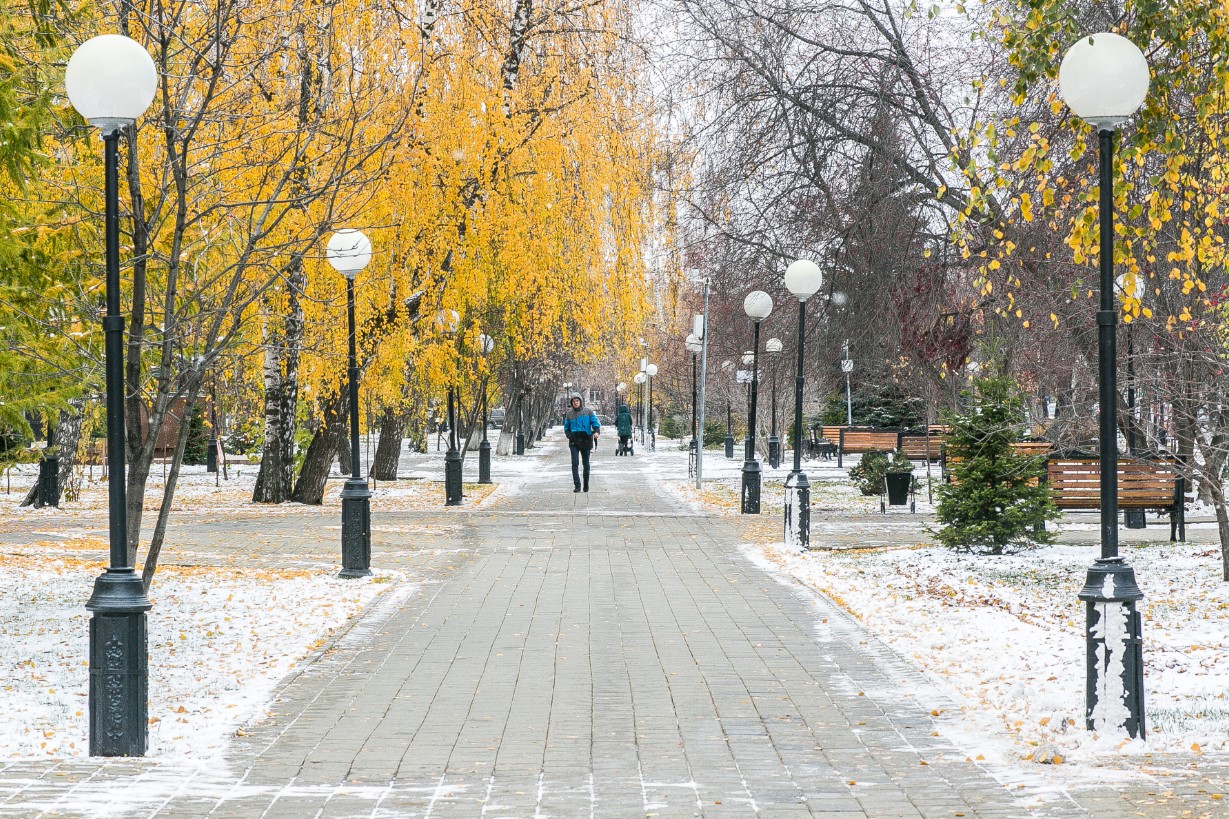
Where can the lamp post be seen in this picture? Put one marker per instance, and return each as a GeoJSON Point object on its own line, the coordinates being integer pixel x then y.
{"type": "Point", "coordinates": [1131, 518]}
{"type": "Point", "coordinates": [485, 345]}
{"type": "Point", "coordinates": [446, 322]}
{"type": "Point", "coordinates": [726, 367]}
{"type": "Point", "coordinates": [651, 371]}
{"type": "Point", "coordinates": [110, 81]}
{"type": "Point", "coordinates": [748, 361]}
{"type": "Point", "coordinates": [693, 345]}
{"type": "Point", "coordinates": [757, 305]}
{"type": "Point", "coordinates": [1104, 80]}
{"type": "Point", "coordinates": [639, 379]}
{"type": "Point", "coordinates": [803, 279]}
{"type": "Point", "coordinates": [774, 346]}
{"type": "Point", "coordinates": [847, 368]}
{"type": "Point", "coordinates": [349, 251]}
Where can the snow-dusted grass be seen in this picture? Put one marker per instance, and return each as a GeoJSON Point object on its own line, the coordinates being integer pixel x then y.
{"type": "Point", "coordinates": [219, 642]}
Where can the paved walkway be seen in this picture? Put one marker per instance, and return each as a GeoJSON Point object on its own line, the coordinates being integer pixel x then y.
{"type": "Point", "coordinates": [603, 654]}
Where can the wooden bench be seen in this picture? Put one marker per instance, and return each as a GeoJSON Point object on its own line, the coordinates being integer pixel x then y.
{"type": "Point", "coordinates": [856, 440]}
{"type": "Point", "coordinates": [917, 446]}
{"type": "Point", "coordinates": [1075, 483]}
{"type": "Point", "coordinates": [819, 445]}
{"type": "Point", "coordinates": [1037, 449]}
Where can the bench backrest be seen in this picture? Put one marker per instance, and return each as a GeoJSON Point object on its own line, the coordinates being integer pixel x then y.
{"type": "Point", "coordinates": [832, 432]}
{"type": "Point", "coordinates": [1075, 482]}
{"type": "Point", "coordinates": [914, 445]}
{"type": "Point", "coordinates": [869, 440]}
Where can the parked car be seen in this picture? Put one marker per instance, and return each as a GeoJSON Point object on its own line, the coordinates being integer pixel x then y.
{"type": "Point", "coordinates": [496, 418]}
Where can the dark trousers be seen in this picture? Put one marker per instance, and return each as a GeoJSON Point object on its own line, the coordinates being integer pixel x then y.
{"type": "Point", "coordinates": [579, 455]}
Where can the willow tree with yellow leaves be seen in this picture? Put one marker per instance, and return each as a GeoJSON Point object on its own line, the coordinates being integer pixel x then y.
{"type": "Point", "coordinates": [268, 127]}
{"type": "Point", "coordinates": [517, 197]}
{"type": "Point", "coordinates": [1171, 201]}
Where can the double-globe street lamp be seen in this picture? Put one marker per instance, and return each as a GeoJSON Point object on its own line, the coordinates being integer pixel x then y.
{"type": "Point", "coordinates": [110, 81]}
{"type": "Point", "coordinates": [485, 345]}
{"type": "Point", "coordinates": [803, 279]}
{"type": "Point", "coordinates": [640, 378]}
{"type": "Point", "coordinates": [1104, 79]}
{"type": "Point", "coordinates": [446, 322]}
{"type": "Point", "coordinates": [349, 251]}
{"type": "Point", "coordinates": [757, 305]}
{"type": "Point", "coordinates": [773, 347]}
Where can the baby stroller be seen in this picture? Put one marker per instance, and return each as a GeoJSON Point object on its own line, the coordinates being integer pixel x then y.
{"type": "Point", "coordinates": [626, 446]}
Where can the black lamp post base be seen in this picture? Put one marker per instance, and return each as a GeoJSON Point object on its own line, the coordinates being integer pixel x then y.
{"type": "Point", "coordinates": [520, 443]}
{"type": "Point", "coordinates": [774, 451]}
{"type": "Point", "coordinates": [729, 446]}
{"type": "Point", "coordinates": [355, 529]}
{"type": "Point", "coordinates": [751, 487]}
{"type": "Point", "coordinates": [452, 478]}
{"type": "Point", "coordinates": [1114, 700]}
{"type": "Point", "coordinates": [48, 493]}
{"type": "Point", "coordinates": [211, 456]}
{"type": "Point", "coordinates": [119, 671]}
{"type": "Point", "coordinates": [484, 461]}
{"type": "Point", "coordinates": [798, 512]}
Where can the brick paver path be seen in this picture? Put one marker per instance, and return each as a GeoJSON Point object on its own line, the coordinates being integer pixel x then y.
{"type": "Point", "coordinates": [607, 654]}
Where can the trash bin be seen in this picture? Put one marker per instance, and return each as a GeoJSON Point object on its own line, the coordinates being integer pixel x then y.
{"type": "Point", "coordinates": [897, 486]}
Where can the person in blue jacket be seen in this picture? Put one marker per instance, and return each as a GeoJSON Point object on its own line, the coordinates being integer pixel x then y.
{"type": "Point", "coordinates": [582, 428]}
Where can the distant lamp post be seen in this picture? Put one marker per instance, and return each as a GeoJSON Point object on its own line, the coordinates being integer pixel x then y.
{"type": "Point", "coordinates": [485, 345]}
{"type": "Point", "coordinates": [446, 322]}
{"type": "Point", "coordinates": [1104, 80]}
{"type": "Point", "coordinates": [757, 305]}
{"type": "Point", "coordinates": [639, 380]}
{"type": "Point", "coordinates": [349, 251]}
{"type": "Point", "coordinates": [773, 347]}
{"type": "Point", "coordinates": [727, 367]}
{"type": "Point", "coordinates": [110, 81]}
{"type": "Point", "coordinates": [651, 372]}
{"type": "Point", "coordinates": [847, 368]}
{"type": "Point", "coordinates": [803, 279]}
{"type": "Point", "coordinates": [693, 345]}
{"type": "Point", "coordinates": [1127, 288]}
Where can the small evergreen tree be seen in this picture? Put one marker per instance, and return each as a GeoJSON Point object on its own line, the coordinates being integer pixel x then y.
{"type": "Point", "coordinates": [996, 500]}
{"type": "Point", "coordinates": [195, 450]}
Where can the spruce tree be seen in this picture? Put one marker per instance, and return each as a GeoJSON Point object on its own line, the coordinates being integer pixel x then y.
{"type": "Point", "coordinates": [996, 500]}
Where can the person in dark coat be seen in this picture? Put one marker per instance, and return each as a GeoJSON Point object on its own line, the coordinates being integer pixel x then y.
{"type": "Point", "coordinates": [623, 425]}
{"type": "Point", "coordinates": [582, 428]}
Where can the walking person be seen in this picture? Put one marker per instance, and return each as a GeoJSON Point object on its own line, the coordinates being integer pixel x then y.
{"type": "Point", "coordinates": [582, 428]}
{"type": "Point", "coordinates": [623, 425]}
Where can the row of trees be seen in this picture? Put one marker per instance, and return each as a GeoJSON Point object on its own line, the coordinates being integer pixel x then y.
{"type": "Point", "coordinates": [500, 158]}
{"type": "Point", "coordinates": [922, 155]}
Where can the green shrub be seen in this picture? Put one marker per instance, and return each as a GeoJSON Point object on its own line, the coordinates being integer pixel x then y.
{"type": "Point", "coordinates": [670, 426]}
{"type": "Point", "coordinates": [996, 500]}
{"type": "Point", "coordinates": [868, 474]}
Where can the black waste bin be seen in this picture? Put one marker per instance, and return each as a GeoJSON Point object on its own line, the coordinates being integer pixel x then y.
{"type": "Point", "coordinates": [898, 486]}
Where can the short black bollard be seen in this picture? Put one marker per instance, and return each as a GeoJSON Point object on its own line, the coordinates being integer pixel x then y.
{"type": "Point", "coordinates": [48, 493]}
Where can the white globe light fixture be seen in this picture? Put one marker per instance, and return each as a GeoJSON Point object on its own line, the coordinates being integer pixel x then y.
{"type": "Point", "coordinates": [447, 321]}
{"type": "Point", "coordinates": [640, 378]}
{"type": "Point", "coordinates": [757, 305]}
{"type": "Point", "coordinates": [748, 358]}
{"type": "Point", "coordinates": [348, 251]}
{"type": "Point", "coordinates": [110, 81]}
{"type": "Point", "coordinates": [774, 345]}
{"type": "Point", "coordinates": [485, 344]}
{"type": "Point", "coordinates": [651, 370]}
{"type": "Point", "coordinates": [693, 343]}
{"type": "Point", "coordinates": [803, 278]}
{"type": "Point", "coordinates": [1104, 79]}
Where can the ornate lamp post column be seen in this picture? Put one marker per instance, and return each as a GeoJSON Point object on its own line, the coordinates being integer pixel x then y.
{"type": "Point", "coordinates": [485, 345]}
{"type": "Point", "coordinates": [348, 252]}
{"type": "Point", "coordinates": [758, 306]}
{"type": "Point", "coordinates": [803, 279]}
{"type": "Point", "coordinates": [774, 346]}
{"type": "Point", "coordinates": [110, 81]}
{"type": "Point", "coordinates": [1104, 79]}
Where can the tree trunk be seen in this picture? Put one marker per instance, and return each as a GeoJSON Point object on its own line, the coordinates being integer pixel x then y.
{"type": "Point", "coordinates": [343, 452]}
{"type": "Point", "coordinates": [1222, 528]}
{"type": "Point", "coordinates": [67, 437]}
{"type": "Point", "coordinates": [320, 452]}
{"type": "Point", "coordinates": [276, 477]}
{"type": "Point", "coordinates": [388, 449]}
{"type": "Point", "coordinates": [168, 492]}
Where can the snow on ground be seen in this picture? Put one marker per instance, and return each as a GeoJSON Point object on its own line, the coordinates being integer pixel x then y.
{"type": "Point", "coordinates": [215, 653]}
{"type": "Point", "coordinates": [1005, 634]}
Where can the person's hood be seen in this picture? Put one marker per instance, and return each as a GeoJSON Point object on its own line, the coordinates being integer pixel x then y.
{"type": "Point", "coordinates": [624, 410]}
{"type": "Point", "coordinates": [575, 412]}
{"type": "Point", "coordinates": [578, 397]}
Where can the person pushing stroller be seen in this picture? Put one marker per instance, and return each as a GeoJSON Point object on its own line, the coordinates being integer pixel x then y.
{"type": "Point", "coordinates": [623, 425]}
{"type": "Point", "coordinates": [582, 428]}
